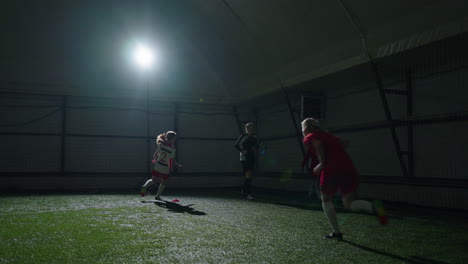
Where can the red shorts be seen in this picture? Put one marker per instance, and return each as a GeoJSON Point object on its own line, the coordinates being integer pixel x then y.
{"type": "Point", "coordinates": [344, 181]}
{"type": "Point", "coordinates": [157, 174]}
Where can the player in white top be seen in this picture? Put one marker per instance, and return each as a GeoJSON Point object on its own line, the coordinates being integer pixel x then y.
{"type": "Point", "coordinates": [163, 159]}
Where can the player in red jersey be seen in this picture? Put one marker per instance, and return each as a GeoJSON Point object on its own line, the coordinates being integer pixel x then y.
{"type": "Point", "coordinates": [337, 173]}
{"type": "Point", "coordinates": [163, 159]}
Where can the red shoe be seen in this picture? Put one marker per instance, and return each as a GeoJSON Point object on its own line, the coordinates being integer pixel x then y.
{"type": "Point", "coordinates": [383, 219]}
{"type": "Point", "coordinates": [143, 192]}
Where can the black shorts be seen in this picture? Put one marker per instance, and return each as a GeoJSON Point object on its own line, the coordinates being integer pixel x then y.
{"type": "Point", "coordinates": [248, 165]}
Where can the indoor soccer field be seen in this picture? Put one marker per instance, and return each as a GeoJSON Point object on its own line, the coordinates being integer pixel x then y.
{"type": "Point", "coordinates": [234, 131]}
{"type": "Point", "coordinates": [217, 227]}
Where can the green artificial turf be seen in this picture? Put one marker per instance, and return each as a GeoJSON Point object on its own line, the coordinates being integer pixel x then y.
{"type": "Point", "coordinates": [219, 227]}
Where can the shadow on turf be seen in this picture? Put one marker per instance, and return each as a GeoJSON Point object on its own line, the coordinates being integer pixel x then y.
{"type": "Point", "coordinates": [412, 260]}
{"type": "Point", "coordinates": [302, 204]}
{"type": "Point", "coordinates": [299, 206]}
{"type": "Point", "coordinates": [176, 208]}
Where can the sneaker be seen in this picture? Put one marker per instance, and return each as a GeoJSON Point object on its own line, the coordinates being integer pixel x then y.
{"type": "Point", "coordinates": [381, 213]}
{"type": "Point", "coordinates": [337, 236]}
{"type": "Point", "coordinates": [250, 197]}
{"type": "Point", "coordinates": [143, 191]}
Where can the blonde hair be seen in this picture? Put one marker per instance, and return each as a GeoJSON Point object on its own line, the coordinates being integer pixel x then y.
{"type": "Point", "coordinates": [311, 124]}
{"type": "Point", "coordinates": [165, 137]}
{"type": "Point", "coordinates": [250, 124]}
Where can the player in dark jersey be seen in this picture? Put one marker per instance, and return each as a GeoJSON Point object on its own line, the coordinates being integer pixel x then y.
{"type": "Point", "coordinates": [337, 173]}
{"type": "Point", "coordinates": [247, 144]}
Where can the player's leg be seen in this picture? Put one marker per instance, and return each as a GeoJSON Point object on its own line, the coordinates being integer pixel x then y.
{"type": "Point", "coordinates": [348, 183]}
{"type": "Point", "coordinates": [146, 185]}
{"type": "Point", "coordinates": [375, 208]}
{"type": "Point", "coordinates": [350, 203]}
{"type": "Point", "coordinates": [247, 187]}
{"type": "Point", "coordinates": [330, 213]}
{"type": "Point", "coordinates": [161, 188]}
{"type": "Point", "coordinates": [248, 171]}
{"type": "Point", "coordinates": [348, 189]}
{"type": "Point", "coordinates": [244, 173]}
{"type": "Point", "coordinates": [328, 187]}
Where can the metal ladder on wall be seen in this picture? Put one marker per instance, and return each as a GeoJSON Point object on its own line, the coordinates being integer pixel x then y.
{"type": "Point", "coordinates": [407, 166]}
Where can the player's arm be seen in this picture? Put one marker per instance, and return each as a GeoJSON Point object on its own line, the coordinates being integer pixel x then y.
{"type": "Point", "coordinates": [173, 160]}
{"type": "Point", "coordinates": [156, 152]}
{"type": "Point", "coordinates": [306, 158]}
{"type": "Point", "coordinates": [237, 145]}
{"type": "Point", "coordinates": [155, 155]}
{"type": "Point", "coordinates": [318, 146]}
{"type": "Point", "coordinates": [176, 163]}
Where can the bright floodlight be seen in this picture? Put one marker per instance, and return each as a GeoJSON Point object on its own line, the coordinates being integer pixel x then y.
{"type": "Point", "coordinates": [143, 56]}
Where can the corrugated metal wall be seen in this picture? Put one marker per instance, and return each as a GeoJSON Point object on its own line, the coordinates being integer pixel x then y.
{"type": "Point", "coordinates": [99, 143]}
{"type": "Point", "coordinates": [439, 78]}
{"type": "Point", "coordinates": [104, 143]}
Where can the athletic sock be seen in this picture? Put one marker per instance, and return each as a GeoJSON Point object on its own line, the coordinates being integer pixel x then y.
{"type": "Point", "coordinates": [330, 212]}
{"type": "Point", "coordinates": [160, 189]}
{"type": "Point", "coordinates": [362, 206]}
{"type": "Point", "coordinates": [148, 183]}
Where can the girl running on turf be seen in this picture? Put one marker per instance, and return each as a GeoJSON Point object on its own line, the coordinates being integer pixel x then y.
{"type": "Point", "coordinates": [337, 172]}
{"type": "Point", "coordinates": [246, 144]}
{"type": "Point", "coordinates": [163, 159]}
